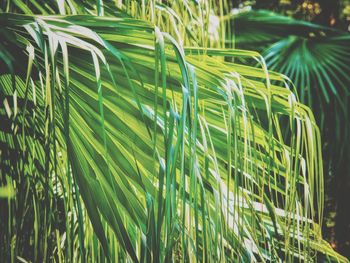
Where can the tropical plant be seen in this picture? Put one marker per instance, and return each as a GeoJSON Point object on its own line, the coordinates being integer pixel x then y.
{"type": "Point", "coordinates": [121, 145]}
{"type": "Point", "coordinates": [316, 59]}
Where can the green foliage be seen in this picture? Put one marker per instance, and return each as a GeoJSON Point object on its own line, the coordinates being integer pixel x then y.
{"type": "Point", "coordinates": [122, 145]}
{"type": "Point", "coordinates": [314, 57]}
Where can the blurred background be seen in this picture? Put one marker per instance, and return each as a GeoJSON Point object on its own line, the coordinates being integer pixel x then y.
{"type": "Point", "coordinates": [309, 42]}
{"type": "Point", "coordinates": [332, 13]}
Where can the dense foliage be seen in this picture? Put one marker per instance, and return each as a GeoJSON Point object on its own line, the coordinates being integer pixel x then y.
{"type": "Point", "coordinates": [130, 133]}
{"type": "Point", "coordinates": [316, 59]}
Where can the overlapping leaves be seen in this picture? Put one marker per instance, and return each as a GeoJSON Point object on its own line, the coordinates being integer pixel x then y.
{"type": "Point", "coordinates": [176, 154]}
{"type": "Point", "coordinates": [314, 57]}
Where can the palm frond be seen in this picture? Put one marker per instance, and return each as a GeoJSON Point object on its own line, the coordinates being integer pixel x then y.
{"type": "Point", "coordinates": [176, 154]}
{"type": "Point", "coordinates": [314, 57]}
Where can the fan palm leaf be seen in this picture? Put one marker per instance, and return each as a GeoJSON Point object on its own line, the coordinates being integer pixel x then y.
{"type": "Point", "coordinates": [314, 57]}
{"type": "Point", "coordinates": [175, 153]}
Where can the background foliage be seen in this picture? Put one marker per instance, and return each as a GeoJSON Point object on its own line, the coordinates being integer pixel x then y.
{"type": "Point", "coordinates": [315, 57]}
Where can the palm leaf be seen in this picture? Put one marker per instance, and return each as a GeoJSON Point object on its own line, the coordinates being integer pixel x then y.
{"type": "Point", "coordinates": [314, 58]}
{"type": "Point", "coordinates": [176, 154]}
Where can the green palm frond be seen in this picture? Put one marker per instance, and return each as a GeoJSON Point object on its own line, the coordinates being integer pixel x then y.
{"type": "Point", "coordinates": [157, 152]}
{"type": "Point", "coordinates": [316, 59]}
{"type": "Point", "coordinates": [313, 57]}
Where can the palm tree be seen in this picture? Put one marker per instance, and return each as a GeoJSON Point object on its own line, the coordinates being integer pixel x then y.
{"type": "Point", "coordinates": [122, 145]}
{"type": "Point", "coordinates": [315, 58]}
